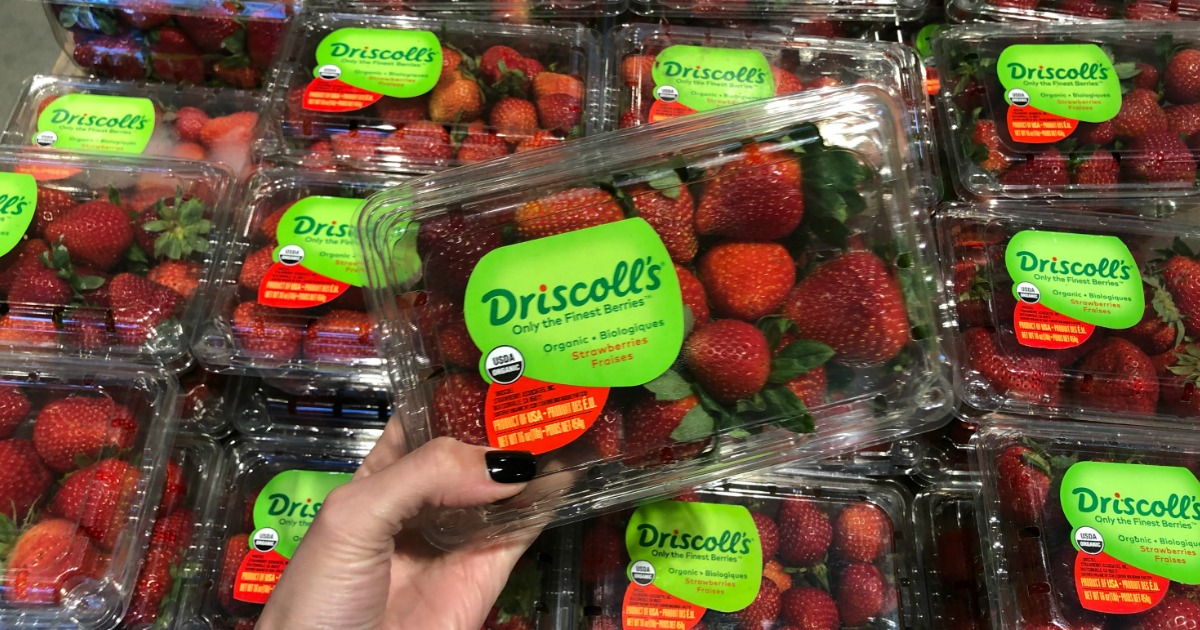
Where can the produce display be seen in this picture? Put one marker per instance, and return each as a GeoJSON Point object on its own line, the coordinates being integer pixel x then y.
{"type": "Point", "coordinates": [951, 552]}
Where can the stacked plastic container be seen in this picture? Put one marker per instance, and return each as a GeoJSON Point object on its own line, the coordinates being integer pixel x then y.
{"type": "Point", "coordinates": [1091, 11]}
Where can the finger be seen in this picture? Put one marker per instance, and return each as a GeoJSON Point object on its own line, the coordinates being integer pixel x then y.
{"type": "Point", "coordinates": [390, 447]}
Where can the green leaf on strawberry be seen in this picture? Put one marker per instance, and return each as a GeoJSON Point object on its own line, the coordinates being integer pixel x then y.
{"type": "Point", "coordinates": [696, 425]}
{"type": "Point", "coordinates": [789, 411]}
{"type": "Point", "coordinates": [669, 386]}
{"type": "Point", "coordinates": [1187, 364]}
{"type": "Point", "coordinates": [798, 358]}
{"type": "Point", "coordinates": [774, 327]}
{"type": "Point", "coordinates": [58, 259]}
{"type": "Point", "coordinates": [181, 227]}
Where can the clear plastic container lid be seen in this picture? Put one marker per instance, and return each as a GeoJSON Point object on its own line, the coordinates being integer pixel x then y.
{"type": "Point", "coordinates": [289, 301]}
{"type": "Point", "coordinates": [205, 400]}
{"type": "Point", "coordinates": [510, 10]}
{"type": "Point", "coordinates": [351, 412]}
{"type": "Point", "coordinates": [946, 452]}
{"type": "Point", "coordinates": [1064, 311]}
{"type": "Point", "coordinates": [1070, 10]}
{"type": "Point", "coordinates": [107, 255]}
{"type": "Point", "coordinates": [775, 549]}
{"type": "Point", "coordinates": [889, 459]}
{"type": "Point", "coordinates": [104, 430]}
{"type": "Point", "coordinates": [1090, 526]}
{"type": "Point", "coordinates": [1071, 110]}
{"type": "Point", "coordinates": [757, 9]}
{"type": "Point", "coordinates": [461, 92]}
{"type": "Point", "coordinates": [529, 270]}
{"type": "Point", "coordinates": [946, 528]}
{"type": "Point", "coordinates": [136, 118]}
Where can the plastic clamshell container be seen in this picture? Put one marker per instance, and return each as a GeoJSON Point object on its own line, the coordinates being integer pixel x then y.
{"type": "Point", "coordinates": [946, 452]}
{"type": "Point", "coordinates": [834, 563]}
{"type": "Point", "coordinates": [1043, 331]}
{"type": "Point", "coordinates": [195, 42]}
{"type": "Point", "coordinates": [1045, 11]}
{"type": "Point", "coordinates": [1046, 541]}
{"type": "Point", "coordinates": [143, 319]}
{"type": "Point", "coordinates": [126, 407]}
{"type": "Point", "coordinates": [350, 412]}
{"type": "Point", "coordinates": [950, 555]}
{"type": "Point", "coordinates": [509, 10]}
{"type": "Point", "coordinates": [1131, 134]}
{"type": "Point", "coordinates": [326, 111]}
{"type": "Point", "coordinates": [288, 302]}
{"type": "Point", "coordinates": [883, 460]}
{"type": "Point", "coordinates": [757, 9]}
{"type": "Point", "coordinates": [450, 221]}
{"type": "Point", "coordinates": [205, 400]}
{"type": "Point", "coordinates": [135, 118]}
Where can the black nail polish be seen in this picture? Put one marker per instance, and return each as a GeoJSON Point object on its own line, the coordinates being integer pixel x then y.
{"type": "Point", "coordinates": [511, 466]}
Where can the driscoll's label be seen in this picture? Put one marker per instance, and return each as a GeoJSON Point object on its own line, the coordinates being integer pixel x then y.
{"type": "Point", "coordinates": [94, 122]}
{"type": "Point", "coordinates": [317, 258]}
{"type": "Point", "coordinates": [283, 512]}
{"type": "Point", "coordinates": [1051, 88]}
{"type": "Point", "coordinates": [18, 202]}
{"type": "Point", "coordinates": [690, 79]}
{"type": "Point", "coordinates": [355, 67]}
{"type": "Point", "coordinates": [686, 558]}
{"type": "Point", "coordinates": [562, 319]}
{"type": "Point", "coordinates": [1136, 528]}
{"type": "Point", "coordinates": [1068, 284]}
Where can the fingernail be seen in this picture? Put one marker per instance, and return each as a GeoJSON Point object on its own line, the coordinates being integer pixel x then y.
{"type": "Point", "coordinates": [511, 466]}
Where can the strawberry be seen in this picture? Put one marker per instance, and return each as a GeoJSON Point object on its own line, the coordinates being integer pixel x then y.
{"type": "Point", "coordinates": [768, 534]}
{"type": "Point", "coordinates": [96, 233]}
{"type": "Point", "coordinates": [47, 557]}
{"type": "Point", "coordinates": [785, 82]}
{"type": "Point", "coordinates": [210, 30]}
{"type": "Point", "coordinates": [804, 533]}
{"type": "Point", "coordinates": [862, 532]}
{"type": "Point", "coordinates": [481, 146]}
{"type": "Point", "coordinates": [514, 119]}
{"type": "Point", "coordinates": [174, 489]}
{"type": "Point", "coordinates": [1154, 333]}
{"type": "Point", "coordinates": [154, 584]}
{"type": "Point", "coordinates": [40, 285]}
{"type": "Point", "coordinates": [458, 407]}
{"type": "Point", "coordinates": [451, 60]}
{"type": "Point", "coordinates": [1099, 169]}
{"type": "Point", "coordinates": [398, 112]}
{"type": "Point", "coordinates": [860, 594]}
{"type": "Point", "coordinates": [24, 479]}
{"type": "Point", "coordinates": [775, 572]}
{"type": "Point", "coordinates": [637, 72]}
{"type": "Point", "coordinates": [140, 306]}
{"type": "Point", "coordinates": [14, 408]}
{"type": "Point", "coordinates": [853, 305]}
{"type": "Point", "coordinates": [559, 112]}
{"type": "Point", "coordinates": [547, 83]}
{"type": "Point", "coordinates": [606, 434]}
{"type": "Point", "coordinates": [457, 98]}
{"type": "Point", "coordinates": [566, 211]}
{"type": "Point", "coordinates": [1181, 79]}
{"type": "Point", "coordinates": [1118, 377]}
{"type": "Point", "coordinates": [450, 247]}
{"type": "Point", "coordinates": [263, 39]}
{"type": "Point", "coordinates": [319, 157]}
{"type": "Point", "coordinates": [455, 345]}
{"type": "Point", "coordinates": [25, 327]}
{"type": "Point", "coordinates": [148, 15]}
{"type": "Point", "coordinates": [693, 296]}
{"type": "Point", "coordinates": [173, 58]}
{"type": "Point", "coordinates": [531, 69]}
{"type": "Point", "coordinates": [729, 358]}
{"type": "Point", "coordinates": [118, 58]}
{"type": "Point", "coordinates": [756, 197]}
{"type": "Point", "coordinates": [810, 387]}
{"type": "Point", "coordinates": [181, 276]}
{"type": "Point", "coordinates": [423, 142]}
{"type": "Point", "coordinates": [27, 255]}
{"type": "Point", "coordinates": [51, 204]}
{"type": "Point", "coordinates": [761, 613]}
{"type": "Point", "coordinates": [1174, 612]}
{"type": "Point", "coordinates": [236, 74]}
{"type": "Point", "coordinates": [972, 289]}
{"type": "Point", "coordinates": [809, 608]}
{"type": "Point", "coordinates": [824, 82]}
{"type": "Point", "coordinates": [266, 332]}
{"type": "Point", "coordinates": [255, 268]}
{"type": "Point", "coordinates": [340, 335]}
{"type": "Point", "coordinates": [1150, 10]}
{"type": "Point", "coordinates": [237, 547]}
{"type": "Point", "coordinates": [269, 227]}
{"type": "Point", "coordinates": [1089, 9]}
{"type": "Point", "coordinates": [1140, 114]}
{"type": "Point", "coordinates": [81, 426]}
{"type": "Point", "coordinates": [97, 498]}
{"type": "Point", "coordinates": [649, 424]}
{"type": "Point", "coordinates": [672, 213]}
{"type": "Point", "coordinates": [631, 118]}
{"type": "Point", "coordinates": [1096, 133]}
{"type": "Point", "coordinates": [1045, 169]}
{"type": "Point", "coordinates": [1183, 120]}
{"type": "Point", "coordinates": [235, 130]}
{"type": "Point", "coordinates": [1159, 157]}
{"type": "Point", "coordinates": [498, 60]}
{"type": "Point", "coordinates": [1181, 278]}
{"type": "Point", "coordinates": [603, 553]}
{"type": "Point", "coordinates": [1022, 484]}
{"type": "Point", "coordinates": [1146, 77]}
{"type": "Point", "coordinates": [539, 140]}
{"type": "Point", "coordinates": [1011, 371]}
{"type": "Point", "coordinates": [746, 280]}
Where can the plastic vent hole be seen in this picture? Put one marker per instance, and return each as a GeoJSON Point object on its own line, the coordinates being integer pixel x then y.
{"type": "Point", "coordinates": [904, 261]}
{"type": "Point", "coordinates": [1030, 533]}
{"type": "Point", "coordinates": [1085, 386]}
{"type": "Point", "coordinates": [1039, 588]}
{"type": "Point", "coordinates": [592, 611]}
{"type": "Point", "coordinates": [919, 333]}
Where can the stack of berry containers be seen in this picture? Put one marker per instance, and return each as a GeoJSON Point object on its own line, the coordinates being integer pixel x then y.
{"type": "Point", "coordinates": [265, 408]}
{"type": "Point", "coordinates": [528, 271]}
{"type": "Point", "coordinates": [195, 42]}
{"type": "Point", "coordinates": [946, 453]}
{"type": "Point", "coordinates": [75, 548]}
{"type": "Point", "coordinates": [770, 550]}
{"type": "Point", "coordinates": [1071, 110]}
{"type": "Point", "coordinates": [461, 92]}
{"type": "Point", "coordinates": [1071, 10]}
{"type": "Point", "coordinates": [945, 525]}
{"type": "Point", "coordinates": [863, 10]}
{"type": "Point", "coordinates": [1090, 527]}
{"type": "Point", "coordinates": [288, 301]}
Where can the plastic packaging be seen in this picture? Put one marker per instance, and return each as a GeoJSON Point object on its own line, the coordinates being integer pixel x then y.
{"type": "Point", "coordinates": [136, 118]}
{"type": "Point", "coordinates": [111, 426]}
{"type": "Point", "coordinates": [1071, 110]}
{"type": "Point", "coordinates": [195, 42]}
{"type": "Point", "coordinates": [946, 452]}
{"type": "Point", "coordinates": [946, 530]}
{"type": "Point", "coordinates": [807, 549]}
{"type": "Point", "coordinates": [288, 302]}
{"type": "Point", "coordinates": [890, 459]}
{"type": "Point", "coordinates": [470, 92]}
{"type": "Point", "coordinates": [509, 10]}
{"type": "Point", "coordinates": [80, 277]}
{"type": "Point", "coordinates": [593, 275]}
{"type": "Point", "coordinates": [1045, 11]}
{"type": "Point", "coordinates": [351, 412]}
{"type": "Point", "coordinates": [206, 401]}
{"type": "Point", "coordinates": [757, 9]}
{"type": "Point", "coordinates": [1063, 311]}
{"type": "Point", "coordinates": [1088, 526]}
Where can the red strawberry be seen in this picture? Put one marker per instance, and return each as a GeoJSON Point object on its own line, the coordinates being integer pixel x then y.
{"type": "Point", "coordinates": [173, 58]}
{"type": "Point", "coordinates": [631, 118]}
{"type": "Point", "coordinates": [559, 112]}
{"type": "Point", "coordinates": [263, 39]}
{"type": "Point", "coordinates": [457, 98]}
{"type": "Point", "coordinates": [547, 83]}
{"type": "Point", "coordinates": [481, 146]}
{"type": "Point", "coordinates": [514, 119]}
{"type": "Point", "coordinates": [1090, 9]}
{"type": "Point", "coordinates": [210, 29]}
{"type": "Point", "coordinates": [810, 387]}
{"type": "Point", "coordinates": [729, 358]}
{"type": "Point", "coordinates": [1046, 169]}
{"type": "Point", "coordinates": [1022, 484]}
{"type": "Point", "coordinates": [756, 197]}
{"type": "Point", "coordinates": [80, 426]}
{"type": "Point", "coordinates": [1096, 133]}
{"type": "Point", "coordinates": [539, 140]}
{"type": "Point", "coordinates": [862, 532]}
{"type": "Point", "coordinates": [607, 433]}
{"type": "Point", "coordinates": [51, 204]}
{"type": "Point", "coordinates": [181, 276]}
{"type": "Point", "coordinates": [761, 613]}
{"type": "Point", "coordinates": [1150, 10]}
{"type": "Point", "coordinates": [637, 71]}
{"type": "Point", "coordinates": [1181, 80]}
{"type": "Point", "coordinates": [340, 335]}
{"type": "Point", "coordinates": [23, 327]}
{"type": "Point", "coordinates": [236, 74]}
{"type": "Point", "coordinates": [255, 268]}
{"type": "Point", "coordinates": [808, 608]}
{"type": "Point", "coordinates": [98, 499]}
{"type": "Point", "coordinates": [45, 558]}
{"type": "Point", "coordinates": [649, 424]}
{"type": "Point", "coordinates": [785, 82]}
{"type": "Point", "coordinates": [96, 233]}
{"type": "Point", "coordinates": [1012, 371]}
{"type": "Point", "coordinates": [1181, 277]}
{"type": "Point", "coordinates": [455, 345]}
{"type": "Point", "coordinates": [566, 211]}
{"type": "Point", "coordinates": [422, 142]}
{"type": "Point", "coordinates": [671, 212]}
{"type": "Point", "coordinates": [458, 407]}
{"type": "Point", "coordinates": [237, 547]}
{"type": "Point", "coordinates": [189, 121]}
{"type": "Point", "coordinates": [269, 227]}
{"type": "Point", "coordinates": [603, 553]}
{"type": "Point", "coordinates": [148, 15]}
{"type": "Point", "coordinates": [266, 332]}
{"type": "Point", "coordinates": [998, 157]}
{"type": "Point", "coordinates": [168, 543]}
{"type": "Point", "coordinates": [352, 146]}
{"type": "Point", "coordinates": [1159, 157]}
{"type": "Point", "coordinates": [1140, 114]}
{"type": "Point", "coordinates": [860, 594]}
{"type": "Point", "coordinates": [804, 533]}
{"type": "Point", "coordinates": [1183, 120]}
{"type": "Point", "coordinates": [492, 60]}
{"type": "Point", "coordinates": [24, 479]}
{"type": "Point", "coordinates": [1146, 77]}
{"type": "Point", "coordinates": [450, 247]}
{"type": "Point", "coordinates": [768, 534]}
{"type": "Point", "coordinates": [14, 408]}
{"type": "Point", "coordinates": [174, 489]}
{"type": "Point", "coordinates": [1118, 377]}
{"type": "Point", "coordinates": [531, 68]}
{"type": "Point", "coordinates": [693, 296]}
{"type": "Point", "coordinates": [40, 285]}
{"type": "Point", "coordinates": [235, 130]}
{"type": "Point", "coordinates": [27, 255]}
{"type": "Point", "coordinates": [1173, 613]}
{"type": "Point", "coordinates": [140, 306]}
{"type": "Point", "coordinates": [114, 57]}
{"type": "Point", "coordinates": [1099, 169]}
{"type": "Point", "coordinates": [746, 280]}
{"type": "Point", "coordinates": [854, 305]}
{"type": "Point", "coordinates": [398, 112]}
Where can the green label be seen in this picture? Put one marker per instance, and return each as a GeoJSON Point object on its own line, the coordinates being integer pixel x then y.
{"type": "Point", "coordinates": [703, 553]}
{"type": "Point", "coordinates": [94, 122]}
{"type": "Point", "coordinates": [287, 506]}
{"type": "Point", "coordinates": [18, 200]}
{"type": "Point", "coordinates": [596, 307]}
{"type": "Point", "coordinates": [394, 63]}
{"type": "Point", "coordinates": [705, 78]}
{"type": "Point", "coordinates": [1075, 81]}
{"type": "Point", "coordinates": [1147, 516]}
{"type": "Point", "coordinates": [1093, 279]}
{"type": "Point", "coordinates": [320, 232]}
{"type": "Point", "coordinates": [924, 41]}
